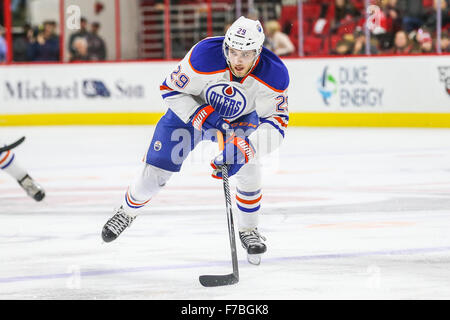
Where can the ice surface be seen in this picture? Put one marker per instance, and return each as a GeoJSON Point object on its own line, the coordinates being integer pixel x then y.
{"type": "Point", "coordinates": [348, 214]}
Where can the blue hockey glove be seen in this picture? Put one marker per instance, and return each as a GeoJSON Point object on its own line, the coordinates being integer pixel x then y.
{"type": "Point", "coordinates": [237, 152]}
{"type": "Point", "coordinates": [206, 118]}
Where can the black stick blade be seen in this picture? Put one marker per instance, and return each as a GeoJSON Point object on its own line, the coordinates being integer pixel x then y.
{"type": "Point", "coordinates": [12, 145]}
{"type": "Point", "coordinates": [218, 280]}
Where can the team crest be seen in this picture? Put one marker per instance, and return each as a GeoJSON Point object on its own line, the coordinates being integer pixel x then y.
{"type": "Point", "coordinates": [157, 146]}
{"type": "Point", "coordinates": [229, 101]}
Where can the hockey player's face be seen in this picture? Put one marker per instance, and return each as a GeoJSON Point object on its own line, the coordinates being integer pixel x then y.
{"type": "Point", "coordinates": [241, 61]}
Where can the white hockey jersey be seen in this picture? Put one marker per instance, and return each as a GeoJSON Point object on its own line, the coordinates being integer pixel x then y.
{"type": "Point", "coordinates": [203, 76]}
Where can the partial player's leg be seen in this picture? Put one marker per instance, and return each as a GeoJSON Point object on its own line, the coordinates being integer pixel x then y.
{"type": "Point", "coordinates": [144, 187]}
{"type": "Point", "coordinates": [9, 164]}
{"type": "Point", "coordinates": [171, 144]}
{"type": "Point", "coordinates": [248, 201]}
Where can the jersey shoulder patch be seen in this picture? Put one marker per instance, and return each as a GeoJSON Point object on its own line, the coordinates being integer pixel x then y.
{"type": "Point", "coordinates": [207, 56]}
{"type": "Point", "coordinates": [271, 71]}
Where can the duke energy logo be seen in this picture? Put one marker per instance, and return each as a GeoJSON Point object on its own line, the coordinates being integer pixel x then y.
{"type": "Point", "coordinates": [327, 86]}
{"type": "Point", "coordinates": [349, 86]}
{"type": "Point", "coordinates": [226, 99]}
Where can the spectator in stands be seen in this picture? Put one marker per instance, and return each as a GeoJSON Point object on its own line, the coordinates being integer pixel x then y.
{"type": "Point", "coordinates": [392, 11]}
{"type": "Point", "coordinates": [344, 9]}
{"type": "Point", "coordinates": [431, 16]}
{"type": "Point", "coordinates": [82, 32]}
{"type": "Point", "coordinates": [393, 23]}
{"type": "Point", "coordinates": [402, 44]}
{"type": "Point", "coordinates": [21, 43]}
{"type": "Point", "coordinates": [1, 13]}
{"type": "Point", "coordinates": [278, 41]}
{"type": "Point", "coordinates": [160, 4]}
{"type": "Point", "coordinates": [426, 44]}
{"type": "Point", "coordinates": [343, 47]}
{"type": "Point", "coordinates": [359, 46]}
{"type": "Point", "coordinates": [44, 45]}
{"type": "Point", "coordinates": [80, 47]}
{"type": "Point", "coordinates": [421, 41]}
{"type": "Point", "coordinates": [344, 12]}
{"type": "Point", "coordinates": [415, 39]}
{"type": "Point", "coordinates": [18, 11]}
{"type": "Point", "coordinates": [3, 46]}
{"type": "Point", "coordinates": [413, 14]}
{"type": "Point", "coordinates": [445, 42]}
{"type": "Point", "coordinates": [96, 45]}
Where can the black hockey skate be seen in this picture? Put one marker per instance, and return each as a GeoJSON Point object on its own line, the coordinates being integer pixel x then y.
{"type": "Point", "coordinates": [116, 225]}
{"type": "Point", "coordinates": [252, 242]}
{"type": "Point", "coordinates": [32, 189]}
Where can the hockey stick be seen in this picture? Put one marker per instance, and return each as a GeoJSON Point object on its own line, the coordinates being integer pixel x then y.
{"type": "Point", "coordinates": [12, 145]}
{"type": "Point", "coordinates": [232, 278]}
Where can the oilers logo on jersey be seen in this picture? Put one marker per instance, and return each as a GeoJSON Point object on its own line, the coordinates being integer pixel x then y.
{"type": "Point", "coordinates": [226, 99]}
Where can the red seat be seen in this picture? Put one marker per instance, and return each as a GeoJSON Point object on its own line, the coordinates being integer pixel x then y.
{"type": "Point", "coordinates": [307, 28]}
{"type": "Point", "coordinates": [312, 46]}
{"type": "Point", "coordinates": [334, 41]}
{"type": "Point", "coordinates": [446, 27]}
{"type": "Point", "coordinates": [311, 10]}
{"type": "Point", "coordinates": [330, 43]}
{"type": "Point", "coordinates": [359, 5]}
{"type": "Point", "coordinates": [288, 14]}
{"type": "Point", "coordinates": [428, 3]}
{"type": "Point", "coordinates": [330, 12]}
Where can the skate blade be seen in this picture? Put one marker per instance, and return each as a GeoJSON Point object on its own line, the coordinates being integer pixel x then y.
{"type": "Point", "coordinates": [254, 259]}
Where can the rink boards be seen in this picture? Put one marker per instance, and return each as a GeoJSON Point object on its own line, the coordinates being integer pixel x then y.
{"type": "Point", "coordinates": [412, 91]}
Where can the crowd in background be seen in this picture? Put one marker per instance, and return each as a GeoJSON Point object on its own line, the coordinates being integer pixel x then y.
{"type": "Point", "coordinates": [329, 27]}
{"type": "Point", "coordinates": [37, 44]}
{"type": "Point", "coordinates": [398, 27]}
{"type": "Point", "coordinates": [87, 45]}
{"type": "Point", "coordinates": [3, 46]}
{"type": "Point", "coordinates": [42, 43]}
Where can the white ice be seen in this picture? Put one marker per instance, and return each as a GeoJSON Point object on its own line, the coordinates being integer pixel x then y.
{"type": "Point", "coordinates": [348, 213]}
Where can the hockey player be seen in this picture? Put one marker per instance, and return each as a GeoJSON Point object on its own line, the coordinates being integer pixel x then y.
{"type": "Point", "coordinates": [9, 164]}
{"type": "Point", "coordinates": [231, 84]}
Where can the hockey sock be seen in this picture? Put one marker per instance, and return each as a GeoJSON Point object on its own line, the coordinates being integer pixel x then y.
{"type": "Point", "coordinates": [9, 164]}
{"type": "Point", "coordinates": [248, 203]}
{"type": "Point", "coordinates": [146, 185]}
